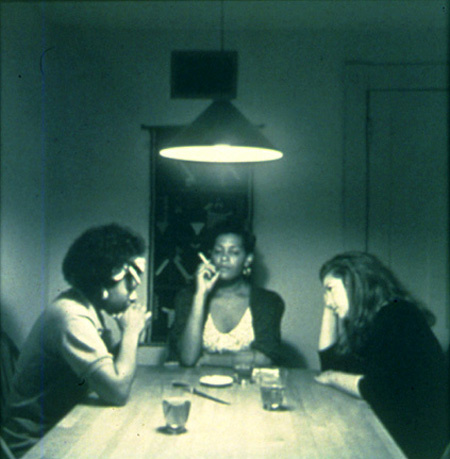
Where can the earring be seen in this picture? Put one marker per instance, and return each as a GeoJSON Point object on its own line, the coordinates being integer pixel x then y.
{"type": "Point", "coordinates": [105, 294]}
{"type": "Point", "coordinates": [247, 271]}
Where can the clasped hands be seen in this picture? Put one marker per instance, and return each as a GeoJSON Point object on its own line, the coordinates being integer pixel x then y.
{"type": "Point", "coordinates": [135, 316]}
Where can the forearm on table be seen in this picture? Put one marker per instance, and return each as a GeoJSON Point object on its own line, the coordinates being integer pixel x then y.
{"type": "Point", "coordinates": [259, 359]}
{"type": "Point", "coordinates": [251, 357]}
{"type": "Point", "coordinates": [346, 382]}
{"type": "Point", "coordinates": [217, 359]}
{"type": "Point", "coordinates": [191, 339]}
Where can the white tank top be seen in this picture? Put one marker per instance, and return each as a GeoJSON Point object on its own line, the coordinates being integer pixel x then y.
{"type": "Point", "coordinates": [237, 339]}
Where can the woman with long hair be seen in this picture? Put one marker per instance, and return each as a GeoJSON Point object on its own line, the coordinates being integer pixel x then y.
{"type": "Point", "coordinates": [376, 343]}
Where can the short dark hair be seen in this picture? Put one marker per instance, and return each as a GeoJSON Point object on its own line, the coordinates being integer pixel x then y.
{"type": "Point", "coordinates": [237, 227]}
{"type": "Point", "coordinates": [97, 253]}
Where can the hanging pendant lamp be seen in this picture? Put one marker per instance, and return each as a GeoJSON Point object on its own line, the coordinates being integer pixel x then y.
{"type": "Point", "coordinates": [221, 134]}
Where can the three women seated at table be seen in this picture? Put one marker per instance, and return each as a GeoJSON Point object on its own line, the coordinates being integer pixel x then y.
{"type": "Point", "coordinates": [224, 319]}
{"type": "Point", "coordinates": [375, 343]}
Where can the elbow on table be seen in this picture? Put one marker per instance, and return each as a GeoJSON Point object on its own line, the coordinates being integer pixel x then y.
{"type": "Point", "coordinates": [120, 401]}
{"type": "Point", "coordinates": [115, 396]}
{"type": "Point", "coordinates": [188, 362]}
{"type": "Point", "coordinates": [262, 360]}
{"type": "Point", "coordinates": [110, 388]}
{"type": "Point", "coordinates": [187, 359]}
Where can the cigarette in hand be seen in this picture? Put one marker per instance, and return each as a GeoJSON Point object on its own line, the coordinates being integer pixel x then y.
{"type": "Point", "coordinates": [203, 258]}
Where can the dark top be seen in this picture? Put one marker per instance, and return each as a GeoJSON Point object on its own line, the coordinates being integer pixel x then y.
{"type": "Point", "coordinates": [267, 309]}
{"type": "Point", "coordinates": [404, 378]}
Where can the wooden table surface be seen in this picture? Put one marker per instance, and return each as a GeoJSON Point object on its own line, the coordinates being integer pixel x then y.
{"type": "Point", "coordinates": [320, 422]}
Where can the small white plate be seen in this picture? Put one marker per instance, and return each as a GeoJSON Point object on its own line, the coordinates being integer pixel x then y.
{"type": "Point", "coordinates": [216, 380]}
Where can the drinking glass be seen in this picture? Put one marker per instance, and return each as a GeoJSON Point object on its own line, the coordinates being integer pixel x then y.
{"type": "Point", "coordinates": [272, 392]}
{"type": "Point", "coordinates": [176, 405]}
{"type": "Point", "coordinates": [243, 372]}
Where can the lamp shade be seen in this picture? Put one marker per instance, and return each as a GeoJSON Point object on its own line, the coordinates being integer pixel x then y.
{"type": "Point", "coordinates": [221, 134]}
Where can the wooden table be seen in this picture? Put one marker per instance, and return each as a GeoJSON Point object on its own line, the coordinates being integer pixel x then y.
{"type": "Point", "coordinates": [320, 423]}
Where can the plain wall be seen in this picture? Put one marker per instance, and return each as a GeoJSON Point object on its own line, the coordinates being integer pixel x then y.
{"type": "Point", "coordinates": [73, 100]}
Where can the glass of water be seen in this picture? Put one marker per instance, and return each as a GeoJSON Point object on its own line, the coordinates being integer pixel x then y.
{"type": "Point", "coordinates": [176, 404]}
{"type": "Point", "coordinates": [243, 372]}
{"type": "Point", "coordinates": [272, 392]}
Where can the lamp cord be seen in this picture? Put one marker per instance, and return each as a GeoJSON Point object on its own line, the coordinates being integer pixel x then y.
{"type": "Point", "coordinates": [221, 25]}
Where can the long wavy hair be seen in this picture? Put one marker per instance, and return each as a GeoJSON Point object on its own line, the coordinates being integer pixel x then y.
{"type": "Point", "coordinates": [370, 285]}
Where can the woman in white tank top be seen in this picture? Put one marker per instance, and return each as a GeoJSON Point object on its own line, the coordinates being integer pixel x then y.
{"type": "Point", "coordinates": [219, 326]}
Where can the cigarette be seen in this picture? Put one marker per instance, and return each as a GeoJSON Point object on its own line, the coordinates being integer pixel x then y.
{"type": "Point", "coordinates": [203, 258]}
{"type": "Point", "coordinates": [132, 270]}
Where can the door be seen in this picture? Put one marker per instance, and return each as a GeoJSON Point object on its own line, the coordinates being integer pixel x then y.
{"type": "Point", "coordinates": [401, 171]}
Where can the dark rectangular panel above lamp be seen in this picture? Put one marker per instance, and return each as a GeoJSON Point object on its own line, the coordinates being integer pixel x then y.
{"type": "Point", "coordinates": [203, 74]}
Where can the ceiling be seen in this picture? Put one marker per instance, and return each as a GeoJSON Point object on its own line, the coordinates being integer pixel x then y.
{"type": "Point", "coordinates": [249, 15]}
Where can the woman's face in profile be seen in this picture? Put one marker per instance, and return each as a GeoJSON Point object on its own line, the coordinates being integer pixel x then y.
{"type": "Point", "coordinates": [229, 256]}
{"type": "Point", "coordinates": [335, 295]}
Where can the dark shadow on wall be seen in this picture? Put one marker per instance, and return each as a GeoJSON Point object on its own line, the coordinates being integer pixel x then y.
{"type": "Point", "coordinates": [290, 357]}
{"type": "Point", "coordinates": [10, 324]}
{"type": "Point", "coordinates": [260, 273]}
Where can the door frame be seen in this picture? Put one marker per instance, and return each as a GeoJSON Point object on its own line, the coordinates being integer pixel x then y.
{"type": "Point", "coordinates": [359, 80]}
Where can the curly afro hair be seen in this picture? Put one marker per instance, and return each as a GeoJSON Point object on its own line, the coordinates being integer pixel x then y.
{"type": "Point", "coordinates": [93, 257]}
{"type": "Point", "coordinates": [231, 226]}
